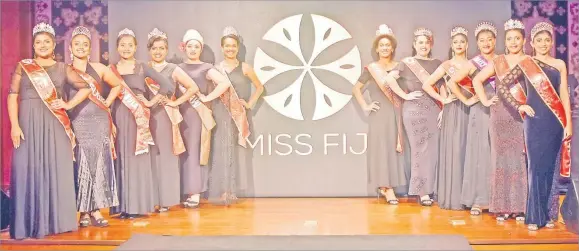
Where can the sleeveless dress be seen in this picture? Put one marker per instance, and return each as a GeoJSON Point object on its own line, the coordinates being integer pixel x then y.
{"type": "Point", "coordinates": [164, 163]}
{"type": "Point", "coordinates": [477, 163]}
{"type": "Point", "coordinates": [42, 178]}
{"type": "Point", "coordinates": [193, 176]}
{"type": "Point", "coordinates": [134, 172]}
{"type": "Point", "coordinates": [453, 135]}
{"type": "Point", "coordinates": [94, 166]}
{"type": "Point", "coordinates": [245, 185]}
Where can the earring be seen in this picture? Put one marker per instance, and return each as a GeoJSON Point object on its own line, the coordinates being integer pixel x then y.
{"type": "Point", "coordinates": [506, 51]}
{"type": "Point", "coordinates": [524, 50]}
{"type": "Point", "coordinates": [53, 56]}
{"type": "Point", "coordinates": [71, 57]}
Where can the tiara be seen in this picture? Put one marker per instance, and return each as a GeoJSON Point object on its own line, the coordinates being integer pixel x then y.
{"type": "Point", "coordinates": [43, 27]}
{"type": "Point", "coordinates": [485, 26]}
{"type": "Point", "coordinates": [458, 30]}
{"type": "Point", "coordinates": [423, 32]}
{"type": "Point", "coordinates": [384, 30]}
{"type": "Point", "coordinates": [541, 26]}
{"type": "Point", "coordinates": [126, 31]}
{"type": "Point", "coordinates": [229, 30]}
{"type": "Point", "coordinates": [512, 24]}
{"type": "Point", "coordinates": [157, 33]}
{"type": "Point", "coordinates": [81, 30]}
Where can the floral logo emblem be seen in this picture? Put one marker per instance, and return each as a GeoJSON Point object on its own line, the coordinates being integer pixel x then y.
{"type": "Point", "coordinates": [287, 34]}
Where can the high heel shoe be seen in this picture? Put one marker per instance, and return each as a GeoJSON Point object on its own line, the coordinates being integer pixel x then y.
{"type": "Point", "coordinates": [533, 227]}
{"type": "Point", "coordinates": [381, 192]}
{"type": "Point", "coordinates": [502, 217]}
{"type": "Point", "coordinates": [426, 202]}
{"type": "Point", "coordinates": [84, 220]}
{"type": "Point", "coordinates": [99, 222]}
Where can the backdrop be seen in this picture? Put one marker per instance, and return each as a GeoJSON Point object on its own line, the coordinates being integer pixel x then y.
{"type": "Point", "coordinates": [309, 135]}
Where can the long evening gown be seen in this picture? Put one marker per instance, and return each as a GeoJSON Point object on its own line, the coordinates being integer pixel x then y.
{"type": "Point", "coordinates": [508, 159]}
{"type": "Point", "coordinates": [242, 85]}
{"type": "Point", "coordinates": [164, 162]}
{"type": "Point", "coordinates": [94, 166]}
{"type": "Point", "coordinates": [543, 137]}
{"type": "Point", "coordinates": [452, 153]}
{"type": "Point", "coordinates": [193, 176]}
{"type": "Point", "coordinates": [386, 167]}
{"type": "Point", "coordinates": [420, 121]}
{"type": "Point", "coordinates": [477, 163]}
{"type": "Point", "coordinates": [134, 172]}
{"type": "Point", "coordinates": [42, 179]}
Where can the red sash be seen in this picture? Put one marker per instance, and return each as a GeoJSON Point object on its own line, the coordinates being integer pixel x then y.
{"type": "Point", "coordinates": [502, 68]}
{"type": "Point", "coordinates": [548, 94]}
{"type": "Point", "coordinates": [174, 115]}
{"type": "Point", "coordinates": [207, 124]}
{"type": "Point", "coordinates": [379, 75]}
{"type": "Point", "coordinates": [465, 83]}
{"type": "Point", "coordinates": [421, 74]}
{"type": "Point", "coordinates": [141, 113]}
{"type": "Point", "coordinates": [96, 98]}
{"type": "Point", "coordinates": [47, 92]}
{"type": "Point", "coordinates": [237, 111]}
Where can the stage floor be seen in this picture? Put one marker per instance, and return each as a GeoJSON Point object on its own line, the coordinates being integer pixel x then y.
{"type": "Point", "coordinates": [310, 216]}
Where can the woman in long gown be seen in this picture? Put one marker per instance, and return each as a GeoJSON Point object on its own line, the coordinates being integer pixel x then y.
{"type": "Point", "coordinates": [454, 121]}
{"type": "Point", "coordinates": [508, 195]}
{"type": "Point", "coordinates": [165, 123]}
{"type": "Point", "coordinates": [242, 77]}
{"type": "Point", "coordinates": [195, 177]}
{"type": "Point", "coordinates": [477, 158]}
{"type": "Point", "coordinates": [94, 130]}
{"type": "Point", "coordinates": [388, 150]}
{"type": "Point", "coordinates": [42, 179]}
{"type": "Point", "coordinates": [419, 114]}
{"type": "Point", "coordinates": [131, 115]}
{"type": "Point", "coordinates": [547, 123]}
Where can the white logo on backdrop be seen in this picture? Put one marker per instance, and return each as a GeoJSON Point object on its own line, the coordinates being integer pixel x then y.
{"type": "Point", "coordinates": [326, 33]}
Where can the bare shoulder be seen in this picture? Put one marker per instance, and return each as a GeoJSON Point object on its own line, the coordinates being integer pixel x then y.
{"type": "Point", "coordinates": [246, 68]}
{"type": "Point", "coordinates": [560, 64]}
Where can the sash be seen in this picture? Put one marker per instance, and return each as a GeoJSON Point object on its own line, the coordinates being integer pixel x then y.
{"type": "Point", "coordinates": [480, 62]}
{"type": "Point", "coordinates": [237, 111]}
{"type": "Point", "coordinates": [421, 74]}
{"type": "Point", "coordinates": [502, 69]}
{"type": "Point", "coordinates": [47, 92]}
{"type": "Point", "coordinates": [465, 83]}
{"type": "Point", "coordinates": [394, 99]}
{"type": "Point", "coordinates": [141, 113]}
{"type": "Point", "coordinates": [96, 98]}
{"type": "Point", "coordinates": [207, 124]}
{"type": "Point", "coordinates": [548, 94]}
{"type": "Point", "coordinates": [174, 115]}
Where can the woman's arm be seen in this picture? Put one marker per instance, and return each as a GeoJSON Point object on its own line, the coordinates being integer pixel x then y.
{"type": "Point", "coordinates": [16, 133]}
{"type": "Point", "coordinates": [477, 83]}
{"type": "Point", "coordinates": [112, 80]}
{"type": "Point", "coordinates": [455, 89]}
{"type": "Point", "coordinates": [428, 85]}
{"type": "Point", "coordinates": [504, 92]}
{"type": "Point", "coordinates": [73, 79]}
{"type": "Point", "coordinates": [182, 78]}
{"type": "Point", "coordinates": [250, 73]}
{"type": "Point", "coordinates": [222, 82]}
{"type": "Point", "coordinates": [564, 93]}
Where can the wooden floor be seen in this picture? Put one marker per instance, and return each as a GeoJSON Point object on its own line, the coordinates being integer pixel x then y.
{"type": "Point", "coordinates": [310, 216]}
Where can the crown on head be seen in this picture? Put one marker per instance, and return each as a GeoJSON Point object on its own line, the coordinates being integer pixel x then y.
{"type": "Point", "coordinates": [384, 30]}
{"type": "Point", "coordinates": [81, 30]}
{"type": "Point", "coordinates": [512, 24]}
{"type": "Point", "coordinates": [156, 33]}
{"type": "Point", "coordinates": [229, 30]}
{"type": "Point", "coordinates": [541, 26]}
{"type": "Point", "coordinates": [485, 26]}
{"type": "Point", "coordinates": [458, 30]}
{"type": "Point", "coordinates": [126, 31]}
{"type": "Point", "coordinates": [43, 27]}
{"type": "Point", "coordinates": [423, 32]}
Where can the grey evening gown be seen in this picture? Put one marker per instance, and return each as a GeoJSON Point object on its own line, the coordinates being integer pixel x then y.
{"type": "Point", "coordinates": [165, 164]}
{"type": "Point", "coordinates": [42, 179]}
